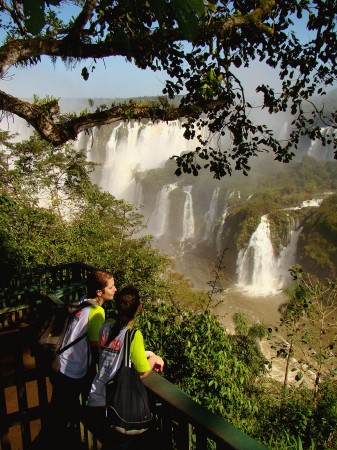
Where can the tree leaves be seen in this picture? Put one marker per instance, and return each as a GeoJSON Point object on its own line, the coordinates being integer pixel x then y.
{"type": "Point", "coordinates": [34, 11]}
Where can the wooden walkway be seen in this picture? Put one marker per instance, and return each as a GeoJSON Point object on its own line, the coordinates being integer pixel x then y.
{"type": "Point", "coordinates": [24, 393]}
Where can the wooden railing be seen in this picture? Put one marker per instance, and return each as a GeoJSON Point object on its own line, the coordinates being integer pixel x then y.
{"type": "Point", "coordinates": [184, 424]}
{"type": "Point", "coordinates": [181, 423]}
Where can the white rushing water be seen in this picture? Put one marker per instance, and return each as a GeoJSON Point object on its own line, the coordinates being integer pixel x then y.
{"type": "Point", "coordinates": [158, 221]}
{"type": "Point", "coordinates": [210, 216]}
{"type": "Point", "coordinates": [218, 239]}
{"type": "Point", "coordinates": [132, 148]}
{"type": "Point", "coordinates": [256, 264]}
{"type": "Point", "coordinates": [126, 151]}
{"type": "Point", "coordinates": [259, 271]}
{"type": "Point", "coordinates": [325, 153]}
{"type": "Point", "coordinates": [188, 217]}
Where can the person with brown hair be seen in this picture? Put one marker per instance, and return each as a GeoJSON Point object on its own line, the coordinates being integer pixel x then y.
{"type": "Point", "coordinates": [78, 362]}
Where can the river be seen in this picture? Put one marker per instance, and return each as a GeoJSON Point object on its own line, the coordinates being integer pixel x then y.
{"type": "Point", "coordinates": [258, 309]}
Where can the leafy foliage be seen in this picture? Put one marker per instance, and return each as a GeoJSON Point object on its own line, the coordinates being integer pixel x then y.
{"type": "Point", "coordinates": [319, 239]}
{"type": "Point", "coordinates": [199, 358]}
{"type": "Point", "coordinates": [246, 343]}
{"type": "Point", "coordinates": [215, 369]}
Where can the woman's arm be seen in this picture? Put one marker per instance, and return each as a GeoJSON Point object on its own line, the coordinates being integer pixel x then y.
{"type": "Point", "coordinates": [156, 363]}
{"type": "Point", "coordinates": [144, 360]}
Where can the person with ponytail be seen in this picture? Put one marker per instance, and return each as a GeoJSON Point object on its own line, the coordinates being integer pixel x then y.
{"type": "Point", "coordinates": [111, 342]}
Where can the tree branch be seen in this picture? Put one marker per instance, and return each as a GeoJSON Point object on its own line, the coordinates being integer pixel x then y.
{"type": "Point", "coordinates": [58, 129]}
{"type": "Point", "coordinates": [15, 14]}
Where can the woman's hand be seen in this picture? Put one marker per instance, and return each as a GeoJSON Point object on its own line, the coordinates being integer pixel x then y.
{"type": "Point", "coordinates": [156, 363]}
{"type": "Point", "coordinates": [159, 364]}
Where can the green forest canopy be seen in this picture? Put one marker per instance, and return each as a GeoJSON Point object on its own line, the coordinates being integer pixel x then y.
{"type": "Point", "coordinates": [201, 45]}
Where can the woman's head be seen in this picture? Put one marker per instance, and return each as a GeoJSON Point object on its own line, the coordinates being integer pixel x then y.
{"type": "Point", "coordinates": [101, 285]}
{"type": "Point", "coordinates": [127, 304]}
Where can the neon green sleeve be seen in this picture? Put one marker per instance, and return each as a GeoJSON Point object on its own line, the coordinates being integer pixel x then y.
{"type": "Point", "coordinates": [95, 321]}
{"type": "Point", "coordinates": [138, 357]}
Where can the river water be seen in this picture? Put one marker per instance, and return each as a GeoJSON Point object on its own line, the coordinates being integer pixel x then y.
{"type": "Point", "coordinates": [263, 309]}
{"type": "Point", "coordinates": [258, 310]}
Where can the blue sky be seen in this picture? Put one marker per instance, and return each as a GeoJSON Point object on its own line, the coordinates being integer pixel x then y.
{"type": "Point", "coordinates": [112, 78]}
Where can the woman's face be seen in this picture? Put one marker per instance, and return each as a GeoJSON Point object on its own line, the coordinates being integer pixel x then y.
{"type": "Point", "coordinates": [108, 292]}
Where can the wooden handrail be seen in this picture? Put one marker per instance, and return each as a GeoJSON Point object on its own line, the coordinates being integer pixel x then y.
{"type": "Point", "coordinates": [214, 427]}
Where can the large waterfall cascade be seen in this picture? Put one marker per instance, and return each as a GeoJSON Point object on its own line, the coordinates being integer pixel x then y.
{"type": "Point", "coordinates": [259, 271]}
{"type": "Point", "coordinates": [134, 148]}
{"type": "Point", "coordinates": [324, 153]}
{"type": "Point", "coordinates": [128, 151]}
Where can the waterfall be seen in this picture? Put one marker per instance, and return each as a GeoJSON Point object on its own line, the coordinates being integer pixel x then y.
{"type": "Point", "coordinates": [138, 195]}
{"type": "Point", "coordinates": [256, 264]}
{"type": "Point", "coordinates": [158, 220]}
{"type": "Point", "coordinates": [188, 217]}
{"type": "Point", "coordinates": [259, 271]}
{"type": "Point", "coordinates": [287, 258]}
{"type": "Point", "coordinates": [209, 217]}
{"type": "Point", "coordinates": [18, 127]}
{"type": "Point", "coordinates": [220, 230]}
{"type": "Point", "coordinates": [128, 155]}
{"type": "Point", "coordinates": [125, 149]}
{"type": "Point", "coordinates": [313, 203]}
{"type": "Point", "coordinates": [320, 152]}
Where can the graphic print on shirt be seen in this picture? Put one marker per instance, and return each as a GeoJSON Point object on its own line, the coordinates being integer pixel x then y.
{"type": "Point", "coordinates": [110, 352]}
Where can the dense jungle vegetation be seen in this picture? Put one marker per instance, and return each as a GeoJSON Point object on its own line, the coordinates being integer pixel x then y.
{"type": "Point", "coordinates": [73, 220]}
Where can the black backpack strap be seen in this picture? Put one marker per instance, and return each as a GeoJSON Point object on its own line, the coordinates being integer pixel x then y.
{"type": "Point", "coordinates": [81, 306]}
{"type": "Point", "coordinates": [63, 349]}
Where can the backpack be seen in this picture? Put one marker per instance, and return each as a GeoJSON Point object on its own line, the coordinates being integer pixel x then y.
{"type": "Point", "coordinates": [127, 404]}
{"type": "Point", "coordinates": [50, 331]}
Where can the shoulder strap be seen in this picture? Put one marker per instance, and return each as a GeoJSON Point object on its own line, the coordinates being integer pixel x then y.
{"type": "Point", "coordinates": [129, 335]}
{"type": "Point", "coordinates": [87, 302]}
